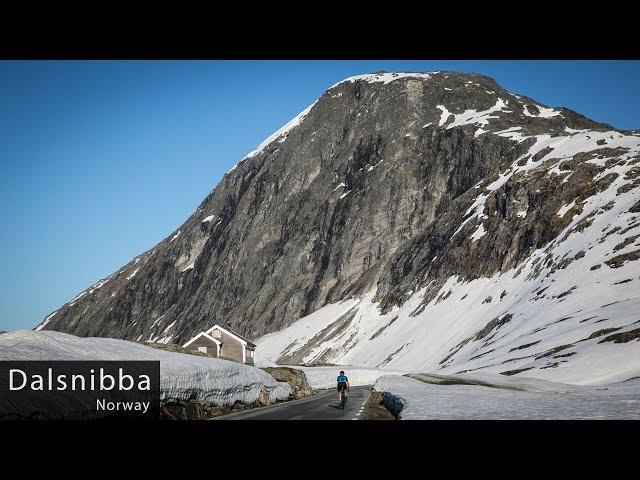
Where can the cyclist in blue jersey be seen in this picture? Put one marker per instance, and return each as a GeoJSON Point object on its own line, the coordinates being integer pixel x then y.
{"type": "Point", "coordinates": [343, 384]}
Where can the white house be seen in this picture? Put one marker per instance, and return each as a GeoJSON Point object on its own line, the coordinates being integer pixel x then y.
{"type": "Point", "coordinates": [223, 343]}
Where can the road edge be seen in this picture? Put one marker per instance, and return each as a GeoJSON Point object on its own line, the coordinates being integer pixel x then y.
{"type": "Point", "coordinates": [229, 416]}
{"type": "Point", "coordinates": [374, 408]}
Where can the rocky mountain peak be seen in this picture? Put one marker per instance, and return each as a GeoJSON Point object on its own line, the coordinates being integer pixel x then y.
{"type": "Point", "coordinates": [390, 188]}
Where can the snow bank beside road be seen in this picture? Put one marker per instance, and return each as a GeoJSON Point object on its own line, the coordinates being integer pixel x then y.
{"type": "Point", "coordinates": [325, 377]}
{"type": "Point", "coordinates": [495, 380]}
{"type": "Point", "coordinates": [182, 377]}
{"type": "Point", "coordinates": [412, 399]}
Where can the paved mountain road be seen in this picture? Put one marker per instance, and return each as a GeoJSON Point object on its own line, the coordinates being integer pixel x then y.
{"type": "Point", "coordinates": [322, 406]}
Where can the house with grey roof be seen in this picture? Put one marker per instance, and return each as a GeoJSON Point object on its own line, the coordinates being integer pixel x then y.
{"type": "Point", "coordinates": [223, 343]}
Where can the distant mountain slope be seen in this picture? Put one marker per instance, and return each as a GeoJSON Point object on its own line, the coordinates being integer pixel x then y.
{"type": "Point", "coordinates": [483, 220]}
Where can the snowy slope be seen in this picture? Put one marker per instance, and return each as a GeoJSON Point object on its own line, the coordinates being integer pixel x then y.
{"type": "Point", "coordinates": [569, 312]}
{"type": "Point", "coordinates": [415, 400]}
{"type": "Point", "coordinates": [182, 377]}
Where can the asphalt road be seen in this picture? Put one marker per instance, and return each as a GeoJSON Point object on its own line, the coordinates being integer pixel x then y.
{"type": "Point", "coordinates": [322, 406]}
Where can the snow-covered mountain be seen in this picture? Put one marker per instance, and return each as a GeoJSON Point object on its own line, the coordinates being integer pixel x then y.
{"type": "Point", "coordinates": [411, 221]}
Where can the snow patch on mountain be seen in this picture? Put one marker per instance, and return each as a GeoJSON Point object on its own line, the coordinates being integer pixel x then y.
{"type": "Point", "coordinates": [274, 345]}
{"type": "Point", "coordinates": [386, 77]}
{"type": "Point", "coordinates": [565, 208]}
{"type": "Point", "coordinates": [280, 134]}
{"type": "Point", "coordinates": [133, 274]}
{"type": "Point", "coordinates": [445, 115]}
{"type": "Point", "coordinates": [479, 233]}
{"type": "Point", "coordinates": [544, 112]}
{"type": "Point", "coordinates": [471, 117]}
{"type": "Point", "coordinates": [46, 320]}
{"type": "Point", "coordinates": [480, 118]}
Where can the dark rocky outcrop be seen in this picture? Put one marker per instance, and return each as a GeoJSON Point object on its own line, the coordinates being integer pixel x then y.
{"type": "Point", "coordinates": [296, 378]}
{"type": "Point", "coordinates": [619, 260]}
{"type": "Point", "coordinates": [623, 337]}
{"type": "Point", "coordinates": [375, 409]}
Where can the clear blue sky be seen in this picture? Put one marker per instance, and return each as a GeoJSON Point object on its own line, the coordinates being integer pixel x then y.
{"type": "Point", "coordinates": [101, 160]}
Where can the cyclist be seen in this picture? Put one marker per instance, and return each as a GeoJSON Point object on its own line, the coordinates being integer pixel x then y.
{"type": "Point", "coordinates": [343, 384]}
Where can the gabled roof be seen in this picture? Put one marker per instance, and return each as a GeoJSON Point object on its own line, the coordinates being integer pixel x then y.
{"type": "Point", "coordinates": [202, 334]}
{"type": "Point", "coordinates": [239, 337]}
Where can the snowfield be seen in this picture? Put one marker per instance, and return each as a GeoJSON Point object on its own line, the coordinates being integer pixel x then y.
{"type": "Point", "coordinates": [402, 342]}
{"type": "Point", "coordinates": [412, 399]}
{"type": "Point", "coordinates": [182, 377]}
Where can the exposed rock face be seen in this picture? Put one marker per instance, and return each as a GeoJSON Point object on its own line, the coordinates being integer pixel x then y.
{"type": "Point", "coordinates": [389, 183]}
{"type": "Point", "coordinates": [192, 410]}
{"type": "Point", "coordinates": [294, 377]}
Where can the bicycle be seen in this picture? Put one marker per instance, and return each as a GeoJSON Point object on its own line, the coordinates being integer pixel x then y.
{"type": "Point", "coordinates": [343, 398]}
